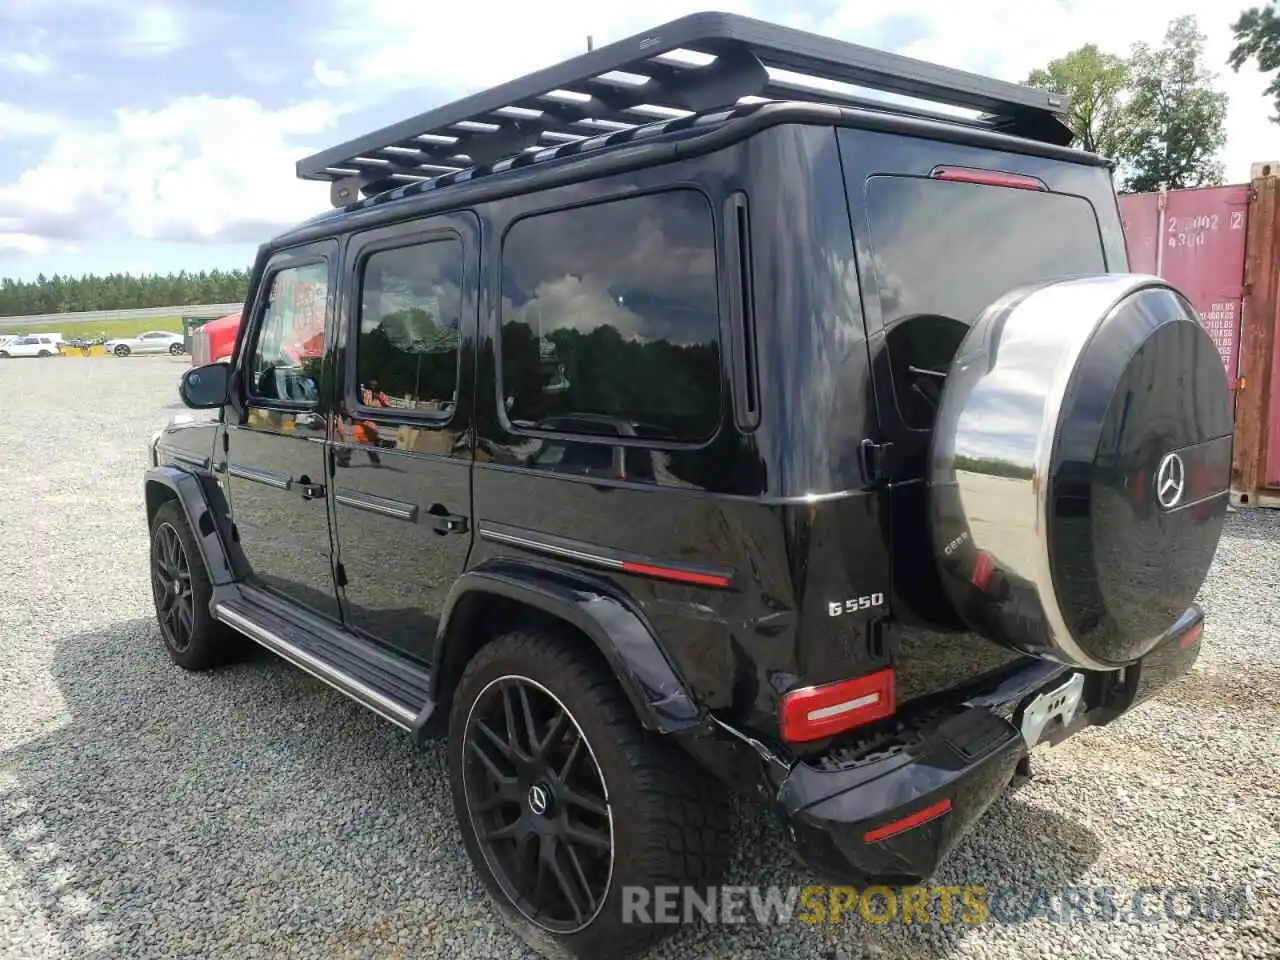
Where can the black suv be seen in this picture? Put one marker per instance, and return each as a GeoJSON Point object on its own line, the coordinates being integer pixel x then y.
{"type": "Point", "coordinates": [708, 411]}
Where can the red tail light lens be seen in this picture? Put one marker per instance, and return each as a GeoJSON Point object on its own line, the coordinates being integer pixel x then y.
{"type": "Point", "coordinates": [983, 567]}
{"type": "Point", "coordinates": [814, 713]}
{"type": "Point", "coordinates": [1191, 636]}
{"type": "Point", "coordinates": [991, 178]}
{"type": "Point", "coordinates": [920, 817]}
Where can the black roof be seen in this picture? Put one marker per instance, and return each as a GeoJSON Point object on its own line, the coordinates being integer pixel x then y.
{"type": "Point", "coordinates": [698, 63]}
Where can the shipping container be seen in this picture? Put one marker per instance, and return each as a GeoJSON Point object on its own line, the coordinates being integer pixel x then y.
{"type": "Point", "coordinates": [1256, 457]}
{"type": "Point", "coordinates": [1195, 239]}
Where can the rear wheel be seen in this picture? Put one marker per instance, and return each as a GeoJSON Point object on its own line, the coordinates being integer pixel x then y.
{"type": "Point", "coordinates": [43, 353]}
{"type": "Point", "coordinates": [565, 801]}
{"type": "Point", "coordinates": [176, 349]}
{"type": "Point", "coordinates": [122, 351]}
{"type": "Point", "coordinates": [181, 589]}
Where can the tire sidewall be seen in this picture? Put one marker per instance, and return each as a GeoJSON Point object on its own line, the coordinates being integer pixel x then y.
{"type": "Point", "coordinates": [500, 660]}
{"type": "Point", "coordinates": [204, 647]}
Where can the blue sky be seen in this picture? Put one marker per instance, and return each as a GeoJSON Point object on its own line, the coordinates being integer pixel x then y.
{"type": "Point", "coordinates": [156, 135]}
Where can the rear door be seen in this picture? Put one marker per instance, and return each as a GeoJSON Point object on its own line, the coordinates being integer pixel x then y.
{"type": "Point", "coordinates": [942, 230]}
{"type": "Point", "coordinates": [403, 448]}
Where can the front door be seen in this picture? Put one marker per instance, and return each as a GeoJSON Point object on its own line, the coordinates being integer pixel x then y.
{"type": "Point", "coordinates": [276, 446]}
{"type": "Point", "coordinates": [402, 453]}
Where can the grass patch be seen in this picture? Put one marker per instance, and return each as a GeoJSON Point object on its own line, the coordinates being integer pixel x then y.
{"type": "Point", "coordinates": [93, 328]}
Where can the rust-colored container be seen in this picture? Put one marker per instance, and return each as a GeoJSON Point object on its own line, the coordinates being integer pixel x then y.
{"type": "Point", "coordinates": [1195, 239]}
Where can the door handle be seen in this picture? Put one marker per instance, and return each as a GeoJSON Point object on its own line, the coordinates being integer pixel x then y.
{"type": "Point", "coordinates": [444, 523]}
{"type": "Point", "coordinates": [311, 491]}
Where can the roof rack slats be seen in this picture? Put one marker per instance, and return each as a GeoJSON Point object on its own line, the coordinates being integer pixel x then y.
{"type": "Point", "coordinates": [698, 63]}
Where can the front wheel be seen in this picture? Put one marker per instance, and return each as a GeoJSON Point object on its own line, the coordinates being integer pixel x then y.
{"type": "Point", "coordinates": [181, 589]}
{"type": "Point", "coordinates": [570, 811]}
{"type": "Point", "coordinates": [122, 351]}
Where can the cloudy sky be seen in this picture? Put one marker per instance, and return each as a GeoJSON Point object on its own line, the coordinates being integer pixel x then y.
{"type": "Point", "coordinates": [158, 135]}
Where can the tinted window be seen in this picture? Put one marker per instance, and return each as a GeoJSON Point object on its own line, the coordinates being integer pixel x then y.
{"type": "Point", "coordinates": [290, 340]}
{"type": "Point", "coordinates": [410, 311]}
{"type": "Point", "coordinates": [610, 320]}
{"type": "Point", "coordinates": [943, 251]}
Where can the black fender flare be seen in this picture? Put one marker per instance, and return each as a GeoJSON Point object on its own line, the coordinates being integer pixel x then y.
{"type": "Point", "coordinates": [206, 509]}
{"type": "Point", "coordinates": [611, 620]}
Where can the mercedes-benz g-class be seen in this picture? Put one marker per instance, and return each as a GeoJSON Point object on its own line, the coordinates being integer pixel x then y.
{"type": "Point", "coordinates": [726, 407]}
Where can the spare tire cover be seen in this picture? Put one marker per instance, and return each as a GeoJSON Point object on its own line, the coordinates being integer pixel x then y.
{"type": "Point", "coordinates": [1079, 468]}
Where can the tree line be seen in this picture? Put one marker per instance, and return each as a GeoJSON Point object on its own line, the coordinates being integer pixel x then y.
{"type": "Point", "coordinates": [120, 291]}
{"type": "Point", "coordinates": [1157, 112]}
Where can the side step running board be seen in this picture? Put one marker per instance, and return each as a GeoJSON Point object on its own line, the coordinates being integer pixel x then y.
{"type": "Point", "coordinates": [390, 686]}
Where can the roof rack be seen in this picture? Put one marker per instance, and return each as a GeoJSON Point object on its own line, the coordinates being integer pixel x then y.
{"type": "Point", "coordinates": [700, 62]}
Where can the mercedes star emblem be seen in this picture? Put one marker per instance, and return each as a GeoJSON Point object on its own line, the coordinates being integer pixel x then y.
{"type": "Point", "coordinates": [538, 799]}
{"type": "Point", "coordinates": [1171, 481]}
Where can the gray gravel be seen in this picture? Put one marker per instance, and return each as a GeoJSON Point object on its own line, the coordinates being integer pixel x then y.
{"type": "Point", "coordinates": [145, 812]}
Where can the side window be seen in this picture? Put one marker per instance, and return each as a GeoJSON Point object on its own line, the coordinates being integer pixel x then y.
{"type": "Point", "coordinates": [410, 311]}
{"type": "Point", "coordinates": [610, 319]}
{"type": "Point", "coordinates": [289, 344]}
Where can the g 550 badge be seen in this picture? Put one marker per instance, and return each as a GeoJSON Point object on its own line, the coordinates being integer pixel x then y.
{"type": "Point", "coordinates": [870, 601]}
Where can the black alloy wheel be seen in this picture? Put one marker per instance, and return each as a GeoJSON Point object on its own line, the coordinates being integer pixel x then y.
{"type": "Point", "coordinates": [171, 585]}
{"type": "Point", "coordinates": [538, 804]}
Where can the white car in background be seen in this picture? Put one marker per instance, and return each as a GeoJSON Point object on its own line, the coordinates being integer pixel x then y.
{"type": "Point", "coordinates": [33, 345]}
{"type": "Point", "coordinates": [153, 341]}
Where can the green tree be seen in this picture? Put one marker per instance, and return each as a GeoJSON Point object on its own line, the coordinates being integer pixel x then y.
{"type": "Point", "coordinates": [1257, 36]}
{"type": "Point", "coordinates": [119, 291]}
{"type": "Point", "coordinates": [1093, 83]}
{"type": "Point", "coordinates": [1175, 118]}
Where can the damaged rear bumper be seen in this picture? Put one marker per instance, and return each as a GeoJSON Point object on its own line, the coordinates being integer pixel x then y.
{"type": "Point", "coordinates": [888, 808]}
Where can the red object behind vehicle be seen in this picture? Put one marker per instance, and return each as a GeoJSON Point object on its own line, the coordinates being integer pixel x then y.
{"type": "Point", "coordinates": [216, 340]}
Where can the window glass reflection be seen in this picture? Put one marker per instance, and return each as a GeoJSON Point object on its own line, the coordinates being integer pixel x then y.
{"type": "Point", "coordinates": [410, 311]}
{"type": "Point", "coordinates": [290, 340]}
{"type": "Point", "coordinates": [610, 319]}
{"type": "Point", "coordinates": [944, 251]}
{"type": "Point", "coordinates": [949, 249]}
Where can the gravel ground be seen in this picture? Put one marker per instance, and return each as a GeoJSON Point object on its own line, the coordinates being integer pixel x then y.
{"type": "Point", "coordinates": [146, 813]}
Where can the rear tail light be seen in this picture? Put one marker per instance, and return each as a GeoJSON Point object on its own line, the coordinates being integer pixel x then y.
{"type": "Point", "coordinates": [815, 713]}
{"type": "Point", "coordinates": [990, 178]}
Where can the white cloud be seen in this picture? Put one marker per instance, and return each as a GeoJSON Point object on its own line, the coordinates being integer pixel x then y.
{"type": "Point", "coordinates": [201, 169]}
{"type": "Point", "coordinates": [153, 28]}
{"type": "Point", "coordinates": [18, 123]}
{"type": "Point", "coordinates": [383, 51]}
{"type": "Point", "coordinates": [35, 64]}
{"type": "Point", "coordinates": [24, 243]}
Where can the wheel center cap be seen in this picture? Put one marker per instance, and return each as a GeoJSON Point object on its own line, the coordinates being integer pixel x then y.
{"type": "Point", "coordinates": [539, 799]}
{"type": "Point", "coordinates": [177, 586]}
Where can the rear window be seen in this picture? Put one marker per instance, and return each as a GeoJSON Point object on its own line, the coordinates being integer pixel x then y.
{"type": "Point", "coordinates": [943, 251]}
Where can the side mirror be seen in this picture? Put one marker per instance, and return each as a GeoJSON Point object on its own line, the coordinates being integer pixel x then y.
{"type": "Point", "coordinates": [206, 387]}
